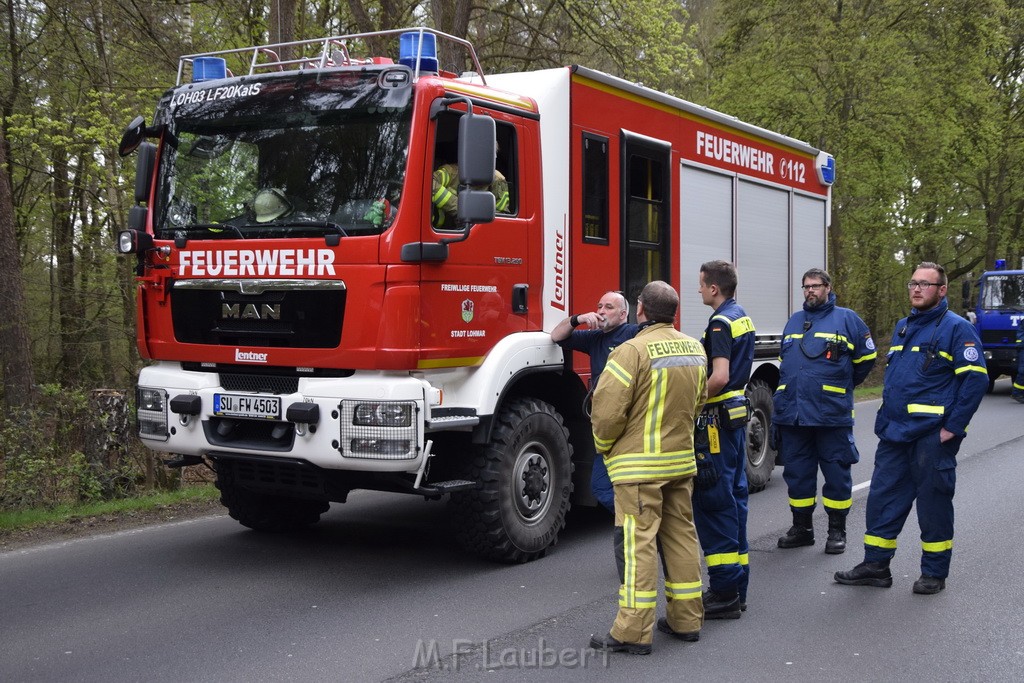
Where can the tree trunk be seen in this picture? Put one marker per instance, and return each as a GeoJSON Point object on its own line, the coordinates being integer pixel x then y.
{"type": "Point", "coordinates": [14, 345]}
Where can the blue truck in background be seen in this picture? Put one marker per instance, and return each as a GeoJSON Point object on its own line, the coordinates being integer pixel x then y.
{"type": "Point", "coordinates": [998, 313]}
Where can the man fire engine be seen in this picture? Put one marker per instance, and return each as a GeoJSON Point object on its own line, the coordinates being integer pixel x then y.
{"type": "Point", "coordinates": [348, 343]}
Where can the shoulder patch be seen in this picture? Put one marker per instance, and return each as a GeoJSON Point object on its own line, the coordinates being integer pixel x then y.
{"type": "Point", "coordinates": [870, 344]}
{"type": "Point", "coordinates": [970, 354]}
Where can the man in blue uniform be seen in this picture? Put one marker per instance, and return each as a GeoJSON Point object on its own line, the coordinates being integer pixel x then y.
{"type": "Point", "coordinates": [1018, 380]}
{"type": "Point", "coordinates": [934, 383]}
{"type": "Point", "coordinates": [720, 492]}
{"type": "Point", "coordinates": [826, 351]}
{"type": "Point", "coordinates": [606, 329]}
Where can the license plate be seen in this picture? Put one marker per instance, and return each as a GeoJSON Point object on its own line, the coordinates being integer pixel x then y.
{"type": "Point", "coordinates": [247, 405]}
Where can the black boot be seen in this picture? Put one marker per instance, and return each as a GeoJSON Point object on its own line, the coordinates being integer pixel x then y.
{"type": "Point", "coordinates": [836, 543]}
{"type": "Point", "coordinates": [801, 533]}
{"type": "Point", "coordinates": [867, 574]}
{"type": "Point", "coordinates": [724, 605]}
{"type": "Point", "coordinates": [929, 585]}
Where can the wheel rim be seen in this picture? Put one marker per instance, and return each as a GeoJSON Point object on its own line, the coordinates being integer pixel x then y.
{"type": "Point", "coordinates": [531, 481]}
{"type": "Point", "coordinates": [756, 438]}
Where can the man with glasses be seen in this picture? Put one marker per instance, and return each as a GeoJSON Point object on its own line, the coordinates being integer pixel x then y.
{"type": "Point", "coordinates": [826, 351]}
{"type": "Point", "coordinates": [934, 382]}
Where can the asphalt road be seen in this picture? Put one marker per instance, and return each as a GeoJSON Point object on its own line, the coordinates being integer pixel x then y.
{"type": "Point", "coordinates": [379, 591]}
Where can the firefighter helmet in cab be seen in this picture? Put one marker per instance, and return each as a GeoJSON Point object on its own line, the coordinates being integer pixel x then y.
{"type": "Point", "coordinates": [271, 204]}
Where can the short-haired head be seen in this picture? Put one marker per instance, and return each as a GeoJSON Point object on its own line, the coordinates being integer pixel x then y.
{"type": "Point", "coordinates": [660, 301]}
{"type": "Point", "coordinates": [818, 274]}
{"type": "Point", "coordinates": [722, 274]}
{"type": "Point", "coordinates": [929, 265]}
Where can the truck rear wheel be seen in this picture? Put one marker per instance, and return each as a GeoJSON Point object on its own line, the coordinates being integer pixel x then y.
{"type": "Point", "coordinates": [265, 512]}
{"type": "Point", "coordinates": [760, 456]}
{"type": "Point", "coordinates": [525, 475]}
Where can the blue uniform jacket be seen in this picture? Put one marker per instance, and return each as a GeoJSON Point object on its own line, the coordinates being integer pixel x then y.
{"type": "Point", "coordinates": [826, 351]}
{"type": "Point", "coordinates": [730, 334]}
{"type": "Point", "coordinates": [936, 376]}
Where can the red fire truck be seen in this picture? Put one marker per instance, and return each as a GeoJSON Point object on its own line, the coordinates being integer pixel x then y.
{"type": "Point", "coordinates": [313, 332]}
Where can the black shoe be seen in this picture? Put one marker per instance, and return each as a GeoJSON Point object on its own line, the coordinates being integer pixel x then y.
{"type": "Point", "coordinates": [610, 644]}
{"type": "Point", "coordinates": [836, 543]}
{"type": "Point", "coordinates": [796, 537]}
{"type": "Point", "coordinates": [688, 636]}
{"type": "Point", "coordinates": [929, 585]}
{"type": "Point", "coordinates": [721, 607]}
{"type": "Point", "coordinates": [866, 574]}
{"type": "Point", "coordinates": [743, 605]}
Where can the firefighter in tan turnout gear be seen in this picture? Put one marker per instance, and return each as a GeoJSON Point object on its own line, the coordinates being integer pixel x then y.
{"type": "Point", "coordinates": [643, 414]}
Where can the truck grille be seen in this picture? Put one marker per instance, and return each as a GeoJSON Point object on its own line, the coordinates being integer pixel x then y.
{"type": "Point", "coordinates": [279, 313]}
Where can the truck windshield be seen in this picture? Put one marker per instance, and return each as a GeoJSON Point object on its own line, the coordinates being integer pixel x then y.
{"type": "Point", "coordinates": [284, 156]}
{"type": "Point", "coordinates": [1003, 292]}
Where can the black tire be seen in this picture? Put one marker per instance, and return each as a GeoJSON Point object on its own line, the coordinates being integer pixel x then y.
{"type": "Point", "coordinates": [760, 455]}
{"type": "Point", "coordinates": [525, 475]}
{"type": "Point", "coordinates": [265, 512]}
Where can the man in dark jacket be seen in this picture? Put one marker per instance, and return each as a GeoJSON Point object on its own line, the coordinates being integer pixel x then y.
{"type": "Point", "coordinates": [826, 351]}
{"type": "Point", "coordinates": [934, 383]}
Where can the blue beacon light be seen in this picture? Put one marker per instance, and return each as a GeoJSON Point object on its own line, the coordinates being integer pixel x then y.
{"type": "Point", "coordinates": [424, 44]}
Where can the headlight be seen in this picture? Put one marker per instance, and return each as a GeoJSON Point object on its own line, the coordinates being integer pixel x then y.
{"type": "Point", "coordinates": [391, 414]}
{"type": "Point", "coordinates": [152, 413]}
{"type": "Point", "coordinates": [379, 430]}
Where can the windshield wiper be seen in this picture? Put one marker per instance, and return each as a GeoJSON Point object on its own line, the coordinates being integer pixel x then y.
{"type": "Point", "coordinates": [181, 235]}
{"type": "Point", "coordinates": [332, 231]}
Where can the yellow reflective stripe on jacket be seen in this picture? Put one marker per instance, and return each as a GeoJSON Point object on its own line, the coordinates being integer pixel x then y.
{"type": "Point", "coordinates": [937, 546]}
{"type": "Point", "coordinates": [744, 559]}
{"type": "Point", "coordinates": [801, 502]}
{"type": "Point", "coordinates": [737, 411]}
{"type": "Point", "coordinates": [834, 337]}
{"type": "Point", "coordinates": [724, 397]}
{"type": "Point", "coordinates": [603, 445]}
{"type": "Point", "coordinates": [651, 466]}
{"type": "Point", "coordinates": [718, 559]}
{"type": "Point", "coordinates": [627, 594]}
{"type": "Point", "coordinates": [836, 504]}
{"type": "Point", "coordinates": [896, 348]}
{"type": "Point", "coordinates": [971, 368]}
{"type": "Point", "coordinates": [683, 591]}
{"type": "Point", "coordinates": [655, 410]}
{"type": "Point", "coordinates": [926, 409]}
{"type": "Point", "coordinates": [501, 204]}
{"type": "Point", "coordinates": [781, 387]}
{"type": "Point", "coordinates": [867, 356]}
{"type": "Point", "coordinates": [879, 542]}
{"type": "Point", "coordinates": [834, 390]}
{"type": "Point", "coordinates": [619, 373]}
{"type": "Point", "coordinates": [947, 356]}
{"type": "Point", "coordinates": [796, 335]}
{"type": "Point", "coordinates": [442, 196]}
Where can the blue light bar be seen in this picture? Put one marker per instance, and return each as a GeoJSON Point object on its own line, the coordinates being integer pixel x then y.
{"type": "Point", "coordinates": [415, 43]}
{"type": "Point", "coordinates": [1000, 264]}
{"type": "Point", "coordinates": [208, 69]}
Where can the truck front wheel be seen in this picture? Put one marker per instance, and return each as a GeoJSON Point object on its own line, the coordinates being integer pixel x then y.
{"type": "Point", "coordinates": [525, 475]}
{"type": "Point", "coordinates": [760, 455]}
{"type": "Point", "coordinates": [265, 512]}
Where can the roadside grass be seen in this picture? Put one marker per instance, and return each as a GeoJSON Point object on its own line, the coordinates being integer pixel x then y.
{"type": "Point", "coordinates": [33, 517]}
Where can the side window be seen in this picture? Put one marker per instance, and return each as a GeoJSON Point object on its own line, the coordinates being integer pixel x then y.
{"type": "Point", "coordinates": [595, 189]}
{"type": "Point", "coordinates": [445, 182]}
{"type": "Point", "coordinates": [645, 211]}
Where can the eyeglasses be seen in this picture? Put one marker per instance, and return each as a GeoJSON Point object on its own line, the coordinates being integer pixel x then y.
{"type": "Point", "coordinates": [914, 284]}
{"type": "Point", "coordinates": [807, 288]}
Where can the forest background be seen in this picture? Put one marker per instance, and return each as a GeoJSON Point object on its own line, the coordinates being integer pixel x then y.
{"type": "Point", "coordinates": [920, 103]}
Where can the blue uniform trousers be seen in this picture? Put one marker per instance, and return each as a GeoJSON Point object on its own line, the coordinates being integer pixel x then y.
{"type": "Point", "coordinates": [924, 469]}
{"type": "Point", "coordinates": [804, 451]}
{"type": "Point", "coordinates": [1018, 380]}
{"type": "Point", "coordinates": [720, 514]}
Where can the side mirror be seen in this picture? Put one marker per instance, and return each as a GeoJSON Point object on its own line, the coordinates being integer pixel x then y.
{"type": "Point", "coordinates": [476, 206]}
{"type": "Point", "coordinates": [476, 150]}
{"type": "Point", "coordinates": [133, 135]}
{"type": "Point", "coordinates": [144, 170]}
